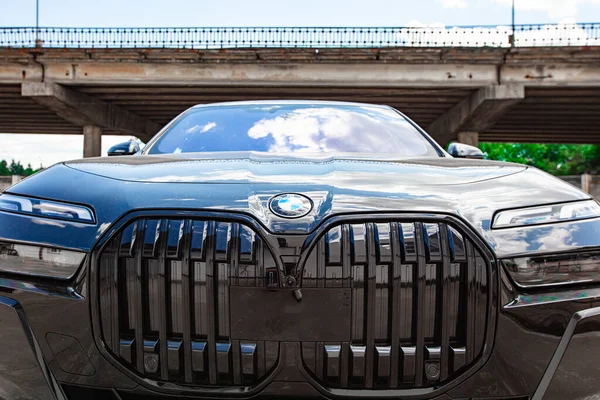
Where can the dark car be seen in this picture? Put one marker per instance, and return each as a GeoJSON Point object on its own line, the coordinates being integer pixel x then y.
{"type": "Point", "coordinates": [298, 249]}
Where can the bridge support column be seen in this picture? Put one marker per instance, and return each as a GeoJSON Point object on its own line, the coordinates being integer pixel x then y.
{"type": "Point", "coordinates": [92, 141]}
{"type": "Point", "coordinates": [476, 113]}
{"type": "Point", "coordinates": [470, 138]}
{"type": "Point", "coordinates": [84, 110]}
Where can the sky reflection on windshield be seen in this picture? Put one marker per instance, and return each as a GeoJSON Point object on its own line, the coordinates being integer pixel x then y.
{"type": "Point", "coordinates": [294, 128]}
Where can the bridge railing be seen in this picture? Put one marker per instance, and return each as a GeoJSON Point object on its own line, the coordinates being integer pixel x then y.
{"type": "Point", "coordinates": [576, 34]}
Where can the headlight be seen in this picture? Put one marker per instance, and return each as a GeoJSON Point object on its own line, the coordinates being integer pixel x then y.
{"type": "Point", "coordinates": [546, 214]}
{"type": "Point", "coordinates": [39, 261]}
{"type": "Point", "coordinates": [46, 208]}
{"type": "Point", "coordinates": [554, 270]}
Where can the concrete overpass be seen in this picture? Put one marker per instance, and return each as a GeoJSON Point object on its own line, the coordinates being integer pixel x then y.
{"type": "Point", "coordinates": [517, 86]}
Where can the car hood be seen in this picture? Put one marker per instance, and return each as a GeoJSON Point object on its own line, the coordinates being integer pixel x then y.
{"type": "Point", "coordinates": [472, 190]}
{"type": "Point", "coordinates": [242, 168]}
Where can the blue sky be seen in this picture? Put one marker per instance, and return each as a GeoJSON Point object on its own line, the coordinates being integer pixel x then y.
{"type": "Point", "coordinates": [47, 150]}
{"type": "Point", "coordinates": [292, 12]}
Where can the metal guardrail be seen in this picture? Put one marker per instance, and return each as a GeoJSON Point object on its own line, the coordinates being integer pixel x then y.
{"type": "Point", "coordinates": [579, 34]}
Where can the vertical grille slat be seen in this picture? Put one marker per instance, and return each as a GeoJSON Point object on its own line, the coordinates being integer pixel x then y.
{"type": "Point", "coordinates": [418, 291]}
{"type": "Point", "coordinates": [260, 263]}
{"type": "Point", "coordinates": [371, 309]}
{"type": "Point", "coordinates": [446, 302]}
{"type": "Point", "coordinates": [137, 243]}
{"type": "Point", "coordinates": [234, 268]}
{"type": "Point", "coordinates": [211, 351]}
{"type": "Point", "coordinates": [185, 238]}
{"type": "Point", "coordinates": [406, 234]}
{"type": "Point", "coordinates": [396, 301]}
{"type": "Point", "coordinates": [471, 287]}
{"type": "Point", "coordinates": [346, 257]}
{"type": "Point", "coordinates": [358, 282]}
{"type": "Point", "coordinates": [115, 298]}
{"type": "Point", "coordinates": [344, 364]}
{"type": "Point", "coordinates": [319, 360]}
{"type": "Point", "coordinates": [109, 295]}
{"type": "Point", "coordinates": [480, 312]}
{"type": "Point", "coordinates": [321, 269]}
{"type": "Point", "coordinates": [420, 308]}
{"type": "Point", "coordinates": [261, 366]}
{"type": "Point", "coordinates": [161, 245]}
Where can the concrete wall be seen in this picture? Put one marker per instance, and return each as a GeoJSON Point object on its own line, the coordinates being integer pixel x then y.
{"type": "Point", "coordinates": [594, 186]}
{"type": "Point", "coordinates": [6, 181]}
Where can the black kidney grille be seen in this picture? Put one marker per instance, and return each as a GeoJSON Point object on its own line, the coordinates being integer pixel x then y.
{"type": "Point", "coordinates": [420, 294]}
{"type": "Point", "coordinates": [164, 296]}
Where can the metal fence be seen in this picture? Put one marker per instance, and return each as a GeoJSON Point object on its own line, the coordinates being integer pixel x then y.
{"type": "Point", "coordinates": [579, 34]}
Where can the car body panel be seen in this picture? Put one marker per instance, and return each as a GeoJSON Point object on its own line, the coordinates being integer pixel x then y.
{"type": "Point", "coordinates": [54, 325]}
{"type": "Point", "coordinates": [332, 194]}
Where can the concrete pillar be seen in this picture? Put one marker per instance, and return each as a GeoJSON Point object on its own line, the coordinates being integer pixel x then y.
{"type": "Point", "coordinates": [470, 138]}
{"type": "Point", "coordinates": [92, 141]}
{"type": "Point", "coordinates": [586, 183]}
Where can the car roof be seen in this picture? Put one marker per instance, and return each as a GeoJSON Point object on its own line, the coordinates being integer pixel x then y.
{"type": "Point", "coordinates": [290, 102]}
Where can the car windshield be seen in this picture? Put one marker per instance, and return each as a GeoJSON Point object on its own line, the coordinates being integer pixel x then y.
{"type": "Point", "coordinates": [293, 128]}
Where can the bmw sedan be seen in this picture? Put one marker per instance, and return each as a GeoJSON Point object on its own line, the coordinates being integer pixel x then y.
{"type": "Point", "coordinates": [298, 249]}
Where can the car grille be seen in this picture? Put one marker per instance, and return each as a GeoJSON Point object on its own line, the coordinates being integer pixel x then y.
{"type": "Point", "coordinates": [164, 300]}
{"type": "Point", "coordinates": [418, 294]}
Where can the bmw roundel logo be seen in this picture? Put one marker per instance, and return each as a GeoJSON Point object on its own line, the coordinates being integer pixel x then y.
{"type": "Point", "coordinates": [290, 205]}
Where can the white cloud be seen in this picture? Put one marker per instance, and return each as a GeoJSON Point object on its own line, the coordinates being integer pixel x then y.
{"type": "Point", "coordinates": [332, 130]}
{"type": "Point", "coordinates": [46, 150]}
{"type": "Point", "coordinates": [454, 3]}
{"type": "Point", "coordinates": [201, 128]}
{"type": "Point", "coordinates": [554, 8]}
{"type": "Point", "coordinates": [566, 33]}
{"type": "Point", "coordinates": [557, 238]}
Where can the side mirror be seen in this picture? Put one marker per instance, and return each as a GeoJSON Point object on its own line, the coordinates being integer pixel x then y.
{"type": "Point", "coordinates": [461, 150]}
{"type": "Point", "coordinates": [124, 149]}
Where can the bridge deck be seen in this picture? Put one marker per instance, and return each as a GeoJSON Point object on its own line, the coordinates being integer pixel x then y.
{"type": "Point", "coordinates": [561, 84]}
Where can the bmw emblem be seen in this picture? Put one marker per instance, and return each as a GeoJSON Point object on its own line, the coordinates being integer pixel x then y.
{"type": "Point", "coordinates": [290, 205]}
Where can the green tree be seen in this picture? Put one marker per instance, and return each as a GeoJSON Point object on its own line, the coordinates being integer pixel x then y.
{"type": "Point", "coordinates": [556, 159]}
{"type": "Point", "coordinates": [16, 168]}
{"type": "Point", "coordinates": [28, 171]}
{"type": "Point", "coordinates": [4, 168]}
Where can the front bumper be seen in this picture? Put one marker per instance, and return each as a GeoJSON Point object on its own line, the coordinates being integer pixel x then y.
{"type": "Point", "coordinates": [547, 347]}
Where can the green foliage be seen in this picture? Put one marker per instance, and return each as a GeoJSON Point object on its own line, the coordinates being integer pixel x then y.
{"type": "Point", "coordinates": [556, 159]}
{"type": "Point", "coordinates": [15, 168]}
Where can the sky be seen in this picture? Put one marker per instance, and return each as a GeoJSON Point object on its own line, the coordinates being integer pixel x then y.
{"type": "Point", "coordinates": [47, 150]}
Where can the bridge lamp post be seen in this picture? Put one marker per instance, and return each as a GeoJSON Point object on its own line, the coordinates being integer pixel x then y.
{"type": "Point", "coordinates": [511, 37]}
{"type": "Point", "coordinates": [38, 41]}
